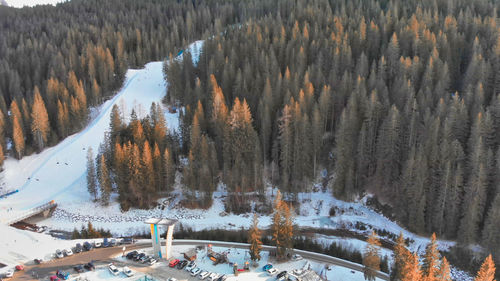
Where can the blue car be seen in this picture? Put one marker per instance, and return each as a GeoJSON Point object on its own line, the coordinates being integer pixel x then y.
{"type": "Point", "coordinates": [267, 267]}
{"type": "Point", "coordinates": [63, 275]}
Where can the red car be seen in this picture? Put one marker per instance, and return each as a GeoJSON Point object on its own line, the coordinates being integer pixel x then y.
{"type": "Point", "coordinates": [54, 278]}
{"type": "Point", "coordinates": [19, 267]}
{"type": "Point", "coordinates": [173, 263]}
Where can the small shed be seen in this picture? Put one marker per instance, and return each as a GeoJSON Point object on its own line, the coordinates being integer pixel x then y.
{"type": "Point", "coordinates": [190, 255]}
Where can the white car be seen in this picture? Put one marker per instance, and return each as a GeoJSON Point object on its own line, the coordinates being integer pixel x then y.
{"type": "Point", "coordinates": [152, 261]}
{"type": "Point", "coordinates": [59, 254]}
{"type": "Point", "coordinates": [68, 252]}
{"type": "Point", "coordinates": [112, 268]}
{"type": "Point", "coordinates": [127, 271]}
{"type": "Point", "coordinates": [195, 271]}
{"type": "Point", "coordinates": [9, 273]}
{"type": "Point", "coordinates": [171, 279]}
{"type": "Point", "coordinates": [272, 271]}
{"type": "Point", "coordinates": [296, 257]}
{"type": "Point", "coordinates": [204, 274]}
{"type": "Point", "coordinates": [97, 245]}
{"type": "Point", "coordinates": [213, 276]}
{"type": "Point", "coordinates": [190, 266]}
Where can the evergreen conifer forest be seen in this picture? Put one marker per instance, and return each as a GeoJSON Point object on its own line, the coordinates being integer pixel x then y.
{"type": "Point", "coordinates": [399, 99]}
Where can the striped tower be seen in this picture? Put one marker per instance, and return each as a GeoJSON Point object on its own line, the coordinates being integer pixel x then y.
{"type": "Point", "coordinates": [156, 238]}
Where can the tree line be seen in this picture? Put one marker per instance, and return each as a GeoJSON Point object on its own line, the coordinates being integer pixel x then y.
{"type": "Point", "coordinates": [58, 61]}
{"type": "Point", "coordinates": [400, 100]}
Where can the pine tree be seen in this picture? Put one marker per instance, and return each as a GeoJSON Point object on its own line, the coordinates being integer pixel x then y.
{"type": "Point", "coordinates": [91, 174]}
{"type": "Point", "coordinates": [444, 273]}
{"type": "Point", "coordinates": [401, 255]}
{"type": "Point", "coordinates": [147, 176]}
{"type": "Point", "coordinates": [254, 239]}
{"type": "Point", "coordinates": [371, 257]}
{"type": "Point", "coordinates": [491, 230]}
{"type": "Point", "coordinates": [287, 233]}
{"type": "Point", "coordinates": [431, 260]}
{"type": "Point", "coordinates": [40, 120]}
{"type": "Point", "coordinates": [487, 270]}
{"type": "Point", "coordinates": [169, 170]}
{"type": "Point", "coordinates": [104, 181]}
{"type": "Point", "coordinates": [18, 136]}
{"type": "Point", "coordinates": [411, 269]}
{"type": "Point", "coordinates": [276, 225]}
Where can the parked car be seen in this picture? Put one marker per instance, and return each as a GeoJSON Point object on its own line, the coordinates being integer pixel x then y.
{"type": "Point", "coordinates": [127, 271]}
{"type": "Point", "coordinates": [127, 240]}
{"type": "Point", "coordinates": [68, 252]}
{"type": "Point", "coordinates": [54, 278]}
{"type": "Point", "coordinates": [89, 266]}
{"type": "Point", "coordinates": [296, 257]}
{"type": "Point", "coordinates": [9, 273]}
{"type": "Point", "coordinates": [173, 263]}
{"type": "Point", "coordinates": [203, 274]}
{"type": "Point", "coordinates": [171, 279]}
{"type": "Point", "coordinates": [272, 271]}
{"type": "Point", "coordinates": [87, 246]}
{"type": "Point", "coordinates": [38, 261]}
{"type": "Point", "coordinates": [144, 259]}
{"type": "Point", "coordinates": [131, 255]}
{"type": "Point", "coordinates": [19, 267]}
{"type": "Point", "coordinates": [195, 271]}
{"type": "Point", "coordinates": [282, 275]}
{"type": "Point", "coordinates": [222, 278]}
{"type": "Point", "coordinates": [151, 261]}
{"type": "Point", "coordinates": [78, 268]}
{"type": "Point", "coordinates": [139, 256]}
{"type": "Point", "coordinates": [62, 274]}
{"type": "Point", "coordinates": [59, 254]}
{"type": "Point", "coordinates": [112, 268]}
{"type": "Point", "coordinates": [267, 267]}
{"type": "Point", "coordinates": [113, 242]}
{"type": "Point", "coordinates": [191, 265]}
{"type": "Point", "coordinates": [78, 248]}
{"type": "Point", "coordinates": [182, 264]}
{"type": "Point", "coordinates": [97, 244]}
{"type": "Point", "coordinates": [213, 276]}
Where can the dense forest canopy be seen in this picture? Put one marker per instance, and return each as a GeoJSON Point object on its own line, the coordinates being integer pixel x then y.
{"type": "Point", "coordinates": [400, 99]}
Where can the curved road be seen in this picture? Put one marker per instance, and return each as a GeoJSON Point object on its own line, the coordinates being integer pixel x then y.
{"type": "Point", "coordinates": [104, 256]}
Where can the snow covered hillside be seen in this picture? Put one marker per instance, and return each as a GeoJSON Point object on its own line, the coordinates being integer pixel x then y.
{"type": "Point", "coordinates": [31, 3]}
{"type": "Point", "coordinates": [58, 173]}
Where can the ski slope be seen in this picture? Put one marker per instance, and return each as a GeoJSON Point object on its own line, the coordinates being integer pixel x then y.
{"type": "Point", "coordinates": [59, 173]}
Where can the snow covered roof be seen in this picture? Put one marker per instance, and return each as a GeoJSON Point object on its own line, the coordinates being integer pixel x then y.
{"type": "Point", "coordinates": [159, 221]}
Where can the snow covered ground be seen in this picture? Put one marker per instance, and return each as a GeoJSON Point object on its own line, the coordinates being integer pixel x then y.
{"type": "Point", "coordinates": [58, 173]}
{"type": "Point", "coordinates": [31, 3]}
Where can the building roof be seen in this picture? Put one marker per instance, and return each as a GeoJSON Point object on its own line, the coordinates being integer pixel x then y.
{"type": "Point", "coordinates": [160, 221]}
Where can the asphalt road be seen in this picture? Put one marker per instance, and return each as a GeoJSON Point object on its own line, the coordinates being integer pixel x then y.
{"type": "Point", "coordinates": [103, 256]}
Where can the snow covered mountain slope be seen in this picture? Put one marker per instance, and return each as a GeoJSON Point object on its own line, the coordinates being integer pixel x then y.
{"type": "Point", "coordinates": [59, 173]}
{"type": "Point", "coordinates": [31, 3]}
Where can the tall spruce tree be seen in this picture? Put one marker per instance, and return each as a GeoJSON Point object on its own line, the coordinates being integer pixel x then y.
{"type": "Point", "coordinates": [91, 174]}
{"type": "Point", "coordinates": [371, 257]}
{"type": "Point", "coordinates": [487, 270]}
{"type": "Point", "coordinates": [254, 239]}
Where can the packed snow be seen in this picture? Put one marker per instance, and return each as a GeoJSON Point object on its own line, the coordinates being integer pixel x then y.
{"type": "Point", "coordinates": [31, 3]}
